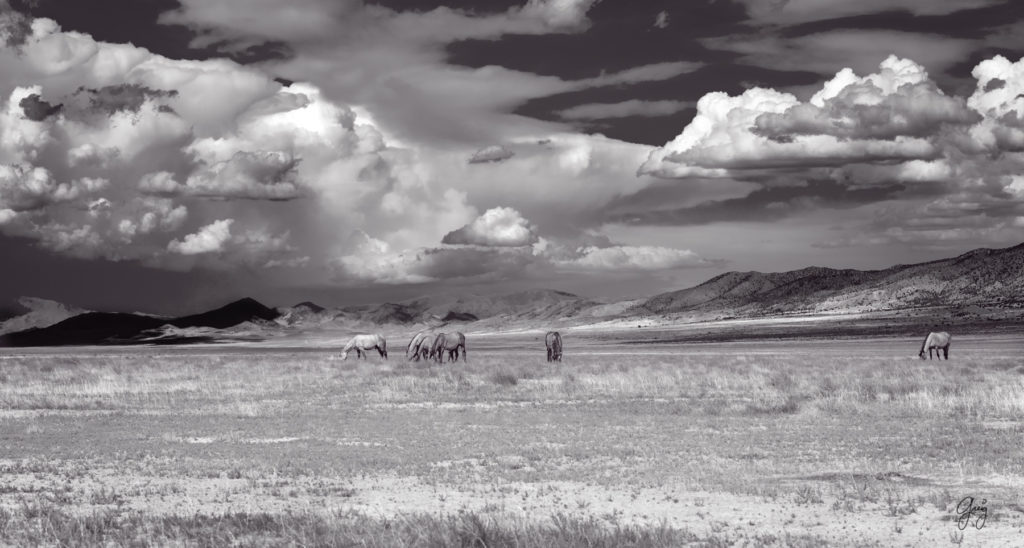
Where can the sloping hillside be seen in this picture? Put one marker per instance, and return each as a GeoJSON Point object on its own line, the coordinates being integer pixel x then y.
{"type": "Point", "coordinates": [983, 277]}
{"type": "Point", "coordinates": [33, 312]}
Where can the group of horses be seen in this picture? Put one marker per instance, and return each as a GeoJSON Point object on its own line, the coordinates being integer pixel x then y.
{"type": "Point", "coordinates": [435, 346]}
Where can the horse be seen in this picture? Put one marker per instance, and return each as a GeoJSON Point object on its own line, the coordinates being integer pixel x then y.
{"type": "Point", "coordinates": [936, 340]}
{"type": "Point", "coordinates": [426, 349]}
{"type": "Point", "coordinates": [363, 344]}
{"type": "Point", "coordinates": [451, 343]}
{"type": "Point", "coordinates": [412, 352]}
{"type": "Point", "coordinates": [553, 340]}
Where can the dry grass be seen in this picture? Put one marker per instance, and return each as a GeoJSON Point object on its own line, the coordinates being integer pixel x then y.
{"type": "Point", "coordinates": [618, 445]}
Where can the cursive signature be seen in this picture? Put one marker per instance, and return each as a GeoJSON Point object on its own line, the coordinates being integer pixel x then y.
{"type": "Point", "coordinates": [966, 509]}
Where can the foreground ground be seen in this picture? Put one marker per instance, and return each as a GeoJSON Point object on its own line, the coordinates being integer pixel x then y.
{"type": "Point", "coordinates": [807, 443]}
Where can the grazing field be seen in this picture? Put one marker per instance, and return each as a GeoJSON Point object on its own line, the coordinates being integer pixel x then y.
{"type": "Point", "coordinates": [786, 443]}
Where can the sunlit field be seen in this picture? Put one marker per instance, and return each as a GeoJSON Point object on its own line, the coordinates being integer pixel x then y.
{"type": "Point", "coordinates": [786, 443]}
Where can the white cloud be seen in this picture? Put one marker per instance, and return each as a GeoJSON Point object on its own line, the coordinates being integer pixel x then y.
{"type": "Point", "coordinates": [209, 239]}
{"type": "Point", "coordinates": [498, 227]}
{"type": "Point", "coordinates": [560, 14]}
{"type": "Point", "coordinates": [622, 257]}
{"type": "Point", "coordinates": [661, 21]}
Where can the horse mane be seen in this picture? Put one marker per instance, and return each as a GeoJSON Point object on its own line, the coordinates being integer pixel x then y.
{"type": "Point", "coordinates": [924, 342]}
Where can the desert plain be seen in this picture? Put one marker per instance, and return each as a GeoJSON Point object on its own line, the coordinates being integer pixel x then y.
{"type": "Point", "coordinates": [640, 437]}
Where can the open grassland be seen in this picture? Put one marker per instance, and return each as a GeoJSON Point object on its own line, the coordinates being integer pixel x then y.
{"type": "Point", "coordinates": [783, 443]}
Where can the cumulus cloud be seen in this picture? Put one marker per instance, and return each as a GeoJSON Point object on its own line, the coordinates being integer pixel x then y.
{"type": "Point", "coordinates": [209, 239]}
{"type": "Point", "coordinates": [257, 175]}
{"type": "Point", "coordinates": [497, 227]}
{"type": "Point", "coordinates": [893, 114]}
{"type": "Point", "coordinates": [911, 157]}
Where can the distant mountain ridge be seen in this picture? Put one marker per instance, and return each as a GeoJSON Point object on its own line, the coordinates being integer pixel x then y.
{"type": "Point", "coordinates": [124, 328]}
{"type": "Point", "coordinates": [986, 277]}
{"type": "Point", "coordinates": [992, 278]}
{"type": "Point", "coordinates": [539, 304]}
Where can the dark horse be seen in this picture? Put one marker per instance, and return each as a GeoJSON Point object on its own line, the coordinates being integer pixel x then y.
{"type": "Point", "coordinates": [553, 340]}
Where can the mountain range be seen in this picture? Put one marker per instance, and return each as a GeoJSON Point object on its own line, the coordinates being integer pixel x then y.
{"type": "Point", "coordinates": [978, 281]}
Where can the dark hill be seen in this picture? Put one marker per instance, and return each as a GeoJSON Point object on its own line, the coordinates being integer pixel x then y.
{"type": "Point", "coordinates": [119, 328]}
{"type": "Point", "coordinates": [242, 310]}
{"type": "Point", "coordinates": [88, 328]}
{"type": "Point", "coordinates": [309, 306]}
{"type": "Point", "coordinates": [453, 316]}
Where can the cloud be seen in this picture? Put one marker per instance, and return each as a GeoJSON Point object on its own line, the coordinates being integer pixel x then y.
{"type": "Point", "coordinates": [624, 109]}
{"type": "Point", "coordinates": [36, 109]}
{"type": "Point", "coordinates": [15, 27]}
{"type": "Point", "coordinates": [496, 153]}
{"type": "Point", "coordinates": [895, 147]}
{"type": "Point", "coordinates": [661, 20]}
{"type": "Point", "coordinates": [394, 63]}
{"type": "Point", "coordinates": [560, 14]}
{"type": "Point", "coordinates": [497, 227]}
{"type": "Point", "coordinates": [623, 257]}
{"type": "Point", "coordinates": [794, 12]}
{"type": "Point", "coordinates": [257, 175]}
{"type": "Point", "coordinates": [209, 239]}
{"type": "Point", "coordinates": [885, 105]}
{"type": "Point", "coordinates": [858, 49]}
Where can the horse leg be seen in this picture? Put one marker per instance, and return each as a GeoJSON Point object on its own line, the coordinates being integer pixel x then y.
{"type": "Point", "coordinates": [946, 351]}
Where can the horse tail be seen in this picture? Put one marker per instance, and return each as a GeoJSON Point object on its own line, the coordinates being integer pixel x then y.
{"type": "Point", "coordinates": [383, 346]}
{"type": "Point", "coordinates": [558, 345]}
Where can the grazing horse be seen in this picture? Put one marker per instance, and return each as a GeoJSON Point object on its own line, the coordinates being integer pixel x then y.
{"type": "Point", "coordinates": [936, 340]}
{"type": "Point", "coordinates": [451, 343]}
{"type": "Point", "coordinates": [412, 351]}
{"type": "Point", "coordinates": [426, 350]}
{"type": "Point", "coordinates": [553, 340]}
{"type": "Point", "coordinates": [363, 344]}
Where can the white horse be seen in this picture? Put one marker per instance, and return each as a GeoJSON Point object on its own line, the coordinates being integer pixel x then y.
{"type": "Point", "coordinates": [363, 344]}
{"type": "Point", "coordinates": [412, 351]}
{"type": "Point", "coordinates": [936, 340]}
{"type": "Point", "coordinates": [427, 347]}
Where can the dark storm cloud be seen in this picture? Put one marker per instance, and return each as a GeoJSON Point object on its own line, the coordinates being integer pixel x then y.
{"type": "Point", "coordinates": [496, 153]}
{"type": "Point", "coordinates": [122, 97]}
{"type": "Point", "coordinates": [36, 109]}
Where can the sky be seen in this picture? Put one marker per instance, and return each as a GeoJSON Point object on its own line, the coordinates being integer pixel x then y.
{"type": "Point", "coordinates": [170, 155]}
